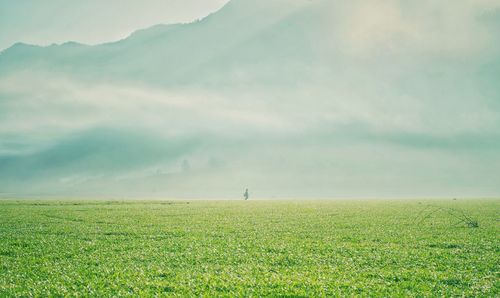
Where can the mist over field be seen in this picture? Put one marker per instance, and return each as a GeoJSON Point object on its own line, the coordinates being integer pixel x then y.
{"type": "Point", "coordinates": [287, 98]}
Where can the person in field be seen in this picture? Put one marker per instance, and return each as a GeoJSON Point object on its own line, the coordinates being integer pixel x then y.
{"type": "Point", "coordinates": [246, 195]}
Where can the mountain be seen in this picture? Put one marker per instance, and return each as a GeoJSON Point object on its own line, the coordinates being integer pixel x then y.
{"type": "Point", "coordinates": [289, 97]}
{"type": "Point", "coordinates": [239, 35]}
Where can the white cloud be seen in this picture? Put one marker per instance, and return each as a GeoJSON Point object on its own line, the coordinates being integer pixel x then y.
{"type": "Point", "coordinates": [393, 27]}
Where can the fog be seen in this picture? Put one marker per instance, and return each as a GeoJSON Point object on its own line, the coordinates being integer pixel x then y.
{"type": "Point", "coordinates": [321, 99]}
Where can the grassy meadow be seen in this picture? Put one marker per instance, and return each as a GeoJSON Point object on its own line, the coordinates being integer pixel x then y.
{"type": "Point", "coordinates": [252, 248]}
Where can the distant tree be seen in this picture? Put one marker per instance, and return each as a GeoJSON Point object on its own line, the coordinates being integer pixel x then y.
{"type": "Point", "coordinates": [186, 167]}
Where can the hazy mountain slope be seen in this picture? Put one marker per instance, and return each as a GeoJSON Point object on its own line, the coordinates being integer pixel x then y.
{"type": "Point", "coordinates": [171, 53]}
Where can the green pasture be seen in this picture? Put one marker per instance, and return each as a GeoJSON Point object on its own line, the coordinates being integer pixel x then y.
{"type": "Point", "coordinates": [249, 248]}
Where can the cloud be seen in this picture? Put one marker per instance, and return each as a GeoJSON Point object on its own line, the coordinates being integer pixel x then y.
{"type": "Point", "coordinates": [55, 106]}
{"type": "Point", "coordinates": [394, 27]}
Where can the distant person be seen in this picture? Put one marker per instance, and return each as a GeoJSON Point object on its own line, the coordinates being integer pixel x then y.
{"type": "Point", "coordinates": [246, 194]}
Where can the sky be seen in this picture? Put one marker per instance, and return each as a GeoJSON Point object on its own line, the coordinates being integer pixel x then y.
{"type": "Point", "coordinates": [289, 98]}
{"type": "Point", "coordinates": [91, 21]}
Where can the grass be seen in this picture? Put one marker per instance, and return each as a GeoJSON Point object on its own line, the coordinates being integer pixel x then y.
{"type": "Point", "coordinates": [254, 248]}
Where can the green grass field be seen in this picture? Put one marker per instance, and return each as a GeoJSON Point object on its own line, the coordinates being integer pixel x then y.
{"type": "Point", "coordinates": [253, 248]}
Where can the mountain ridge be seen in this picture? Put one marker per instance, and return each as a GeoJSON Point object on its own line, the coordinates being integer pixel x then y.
{"type": "Point", "coordinates": [172, 52]}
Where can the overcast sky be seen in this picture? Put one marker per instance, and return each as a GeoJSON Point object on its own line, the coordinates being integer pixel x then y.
{"type": "Point", "coordinates": [91, 21]}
